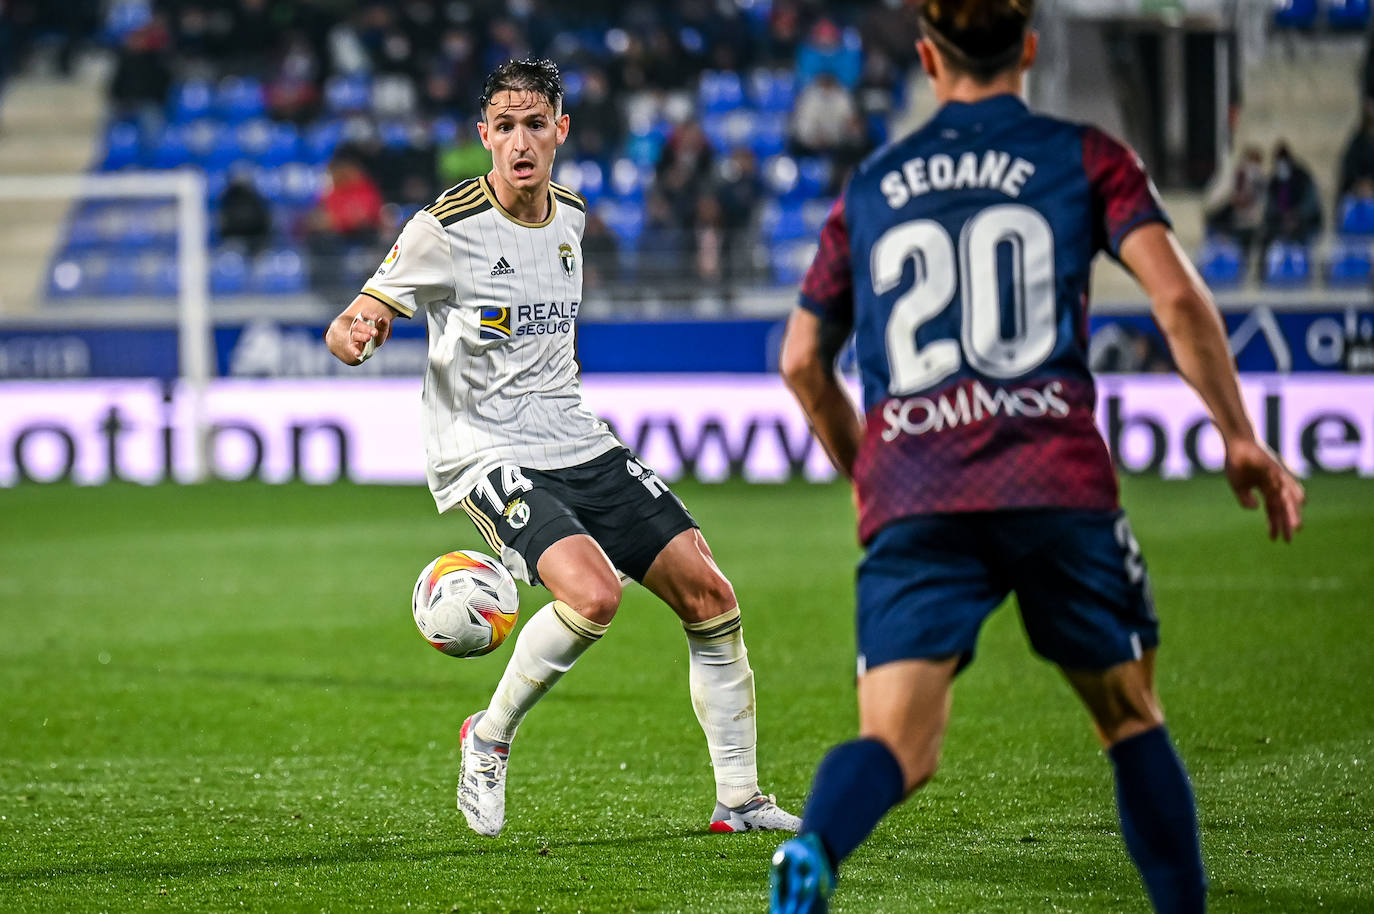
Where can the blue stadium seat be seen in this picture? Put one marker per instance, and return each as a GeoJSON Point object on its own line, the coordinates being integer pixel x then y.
{"type": "Point", "coordinates": [125, 16]}
{"type": "Point", "coordinates": [728, 129]}
{"type": "Point", "coordinates": [691, 40]}
{"type": "Point", "coordinates": [280, 271]}
{"type": "Point", "coordinates": [115, 225]}
{"type": "Point", "coordinates": [112, 276]}
{"type": "Point", "coordinates": [269, 182]}
{"type": "Point", "coordinates": [1357, 216]}
{"type": "Point", "coordinates": [719, 91]}
{"type": "Point", "coordinates": [813, 176]}
{"type": "Point", "coordinates": [143, 226]}
{"type": "Point", "coordinates": [1350, 265]}
{"type": "Point", "coordinates": [569, 174]}
{"type": "Point", "coordinates": [1295, 14]}
{"type": "Point", "coordinates": [85, 228]}
{"type": "Point", "coordinates": [347, 93]}
{"type": "Point", "coordinates": [646, 140]}
{"type": "Point", "coordinates": [444, 131]}
{"type": "Point", "coordinates": [643, 149]}
{"type": "Point", "coordinates": [202, 136]}
{"type": "Point", "coordinates": [717, 134]}
{"type": "Point", "coordinates": [593, 180]}
{"type": "Point", "coordinates": [159, 221]}
{"type": "Point", "coordinates": [267, 143]}
{"type": "Point", "coordinates": [628, 180]}
{"type": "Point", "coordinates": [1221, 263]}
{"type": "Point", "coordinates": [155, 274]}
{"type": "Point", "coordinates": [217, 148]}
{"type": "Point", "coordinates": [789, 223]}
{"type": "Point", "coordinates": [789, 261]}
{"type": "Point", "coordinates": [166, 148]}
{"type": "Point", "coordinates": [190, 101]}
{"type": "Point", "coordinates": [768, 135]}
{"type": "Point", "coordinates": [320, 140]}
{"type": "Point", "coordinates": [814, 214]}
{"type": "Point", "coordinates": [780, 175]}
{"type": "Point", "coordinates": [228, 272]}
{"type": "Point", "coordinates": [216, 180]}
{"type": "Point", "coordinates": [772, 90]}
{"type": "Point", "coordinates": [574, 83]}
{"type": "Point", "coordinates": [796, 179]}
{"type": "Point", "coordinates": [239, 98]}
{"type": "Point", "coordinates": [1347, 15]}
{"type": "Point", "coordinates": [121, 146]}
{"type": "Point", "coordinates": [1286, 265]}
{"type": "Point", "coordinates": [626, 220]}
{"type": "Point", "coordinates": [301, 184]}
{"type": "Point", "coordinates": [585, 177]}
{"type": "Point", "coordinates": [394, 134]}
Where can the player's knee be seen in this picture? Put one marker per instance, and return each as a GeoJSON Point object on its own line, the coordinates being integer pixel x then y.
{"type": "Point", "coordinates": [1126, 726]}
{"type": "Point", "coordinates": [720, 596]}
{"type": "Point", "coordinates": [597, 601]}
{"type": "Point", "coordinates": [709, 597]}
{"type": "Point", "coordinates": [1131, 713]}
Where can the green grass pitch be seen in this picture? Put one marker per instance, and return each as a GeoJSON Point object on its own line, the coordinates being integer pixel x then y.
{"type": "Point", "coordinates": [213, 699]}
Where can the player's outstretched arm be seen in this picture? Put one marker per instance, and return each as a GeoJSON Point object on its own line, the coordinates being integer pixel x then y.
{"type": "Point", "coordinates": [809, 350]}
{"type": "Point", "coordinates": [1188, 317]}
{"type": "Point", "coordinates": [349, 333]}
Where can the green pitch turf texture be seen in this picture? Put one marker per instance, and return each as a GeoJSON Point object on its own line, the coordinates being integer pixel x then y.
{"type": "Point", "coordinates": [214, 699]}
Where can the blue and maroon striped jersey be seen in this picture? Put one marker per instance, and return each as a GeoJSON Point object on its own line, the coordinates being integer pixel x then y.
{"type": "Point", "coordinates": [960, 256]}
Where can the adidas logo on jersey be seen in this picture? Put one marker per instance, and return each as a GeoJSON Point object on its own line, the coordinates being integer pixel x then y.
{"type": "Point", "coordinates": [502, 268]}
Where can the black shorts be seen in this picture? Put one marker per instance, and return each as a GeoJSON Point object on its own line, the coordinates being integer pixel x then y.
{"type": "Point", "coordinates": [615, 499]}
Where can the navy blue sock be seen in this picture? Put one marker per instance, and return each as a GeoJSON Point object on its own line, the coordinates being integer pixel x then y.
{"type": "Point", "coordinates": [855, 785]}
{"type": "Point", "coordinates": [1159, 821]}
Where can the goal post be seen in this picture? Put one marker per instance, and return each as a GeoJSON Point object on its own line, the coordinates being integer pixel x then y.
{"type": "Point", "coordinates": [62, 197]}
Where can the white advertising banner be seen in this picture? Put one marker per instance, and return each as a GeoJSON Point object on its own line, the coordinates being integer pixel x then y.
{"type": "Point", "coordinates": [706, 426]}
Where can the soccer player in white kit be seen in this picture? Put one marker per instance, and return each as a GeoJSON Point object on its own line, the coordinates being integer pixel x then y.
{"type": "Point", "coordinates": [495, 267]}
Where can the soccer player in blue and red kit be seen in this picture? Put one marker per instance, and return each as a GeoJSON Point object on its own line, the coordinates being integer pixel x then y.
{"type": "Point", "coordinates": [959, 257]}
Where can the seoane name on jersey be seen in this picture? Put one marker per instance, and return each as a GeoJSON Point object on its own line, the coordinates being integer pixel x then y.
{"type": "Point", "coordinates": [961, 256]}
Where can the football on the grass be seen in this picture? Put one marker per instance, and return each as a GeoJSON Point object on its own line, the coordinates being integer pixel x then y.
{"type": "Point", "coordinates": [465, 603]}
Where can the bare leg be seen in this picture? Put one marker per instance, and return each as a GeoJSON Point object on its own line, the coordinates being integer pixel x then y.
{"type": "Point", "coordinates": [905, 705]}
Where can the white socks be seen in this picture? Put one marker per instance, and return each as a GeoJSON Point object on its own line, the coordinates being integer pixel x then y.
{"type": "Point", "coordinates": [546, 648]}
{"type": "Point", "coordinates": [721, 683]}
{"type": "Point", "coordinates": [722, 686]}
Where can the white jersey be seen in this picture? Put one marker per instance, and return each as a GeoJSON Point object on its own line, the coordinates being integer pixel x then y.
{"type": "Point", "coordinates": [500, 298]}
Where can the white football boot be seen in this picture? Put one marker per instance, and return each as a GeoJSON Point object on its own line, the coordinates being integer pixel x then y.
{"type": "Point", "coordinates": [482, 782]}
{"type": "Point", "coordinates": [762, 813]}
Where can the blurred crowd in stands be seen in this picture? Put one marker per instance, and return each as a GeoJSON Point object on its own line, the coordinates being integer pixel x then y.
{"type": "Point", "coordinates": [1264, 210]}
{"type": "Point", "coordinates": [709, 136]}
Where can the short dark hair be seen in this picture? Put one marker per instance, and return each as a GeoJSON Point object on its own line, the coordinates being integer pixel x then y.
{"type": "Point", "coordinates": [979, 37]}
{"type": "Point", "coordinates": [539, 76]}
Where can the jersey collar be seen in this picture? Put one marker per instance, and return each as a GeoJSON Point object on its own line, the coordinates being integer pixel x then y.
{"type": "Point", "coordinates": [496, 204]}
{"type": "Point", "coordinates": [967, 114]}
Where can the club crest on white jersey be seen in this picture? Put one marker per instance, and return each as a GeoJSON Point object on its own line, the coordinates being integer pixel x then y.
{"type": "Point", "coordinates": [500, 297]}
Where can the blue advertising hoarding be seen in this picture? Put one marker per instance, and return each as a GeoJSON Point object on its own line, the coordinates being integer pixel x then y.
{"type": "Point", "coordinates": [1264, 340]}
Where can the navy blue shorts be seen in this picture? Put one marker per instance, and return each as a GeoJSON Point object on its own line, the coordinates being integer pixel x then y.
{"type": "Point", "coordinates": [927, 583]}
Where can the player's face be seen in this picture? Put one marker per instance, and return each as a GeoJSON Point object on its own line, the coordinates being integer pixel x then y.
{"type": "Point", "coordinates": [522, 133]}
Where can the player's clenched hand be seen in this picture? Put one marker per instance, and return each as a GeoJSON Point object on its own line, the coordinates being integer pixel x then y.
{"type": "Point", "coordinates": [1250, 466]}
{"type": "Point", "coordinates": [359, 330]}
{"type": "Point", "coordinates": [366, 333]}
